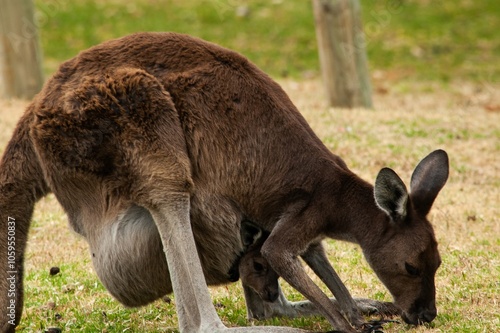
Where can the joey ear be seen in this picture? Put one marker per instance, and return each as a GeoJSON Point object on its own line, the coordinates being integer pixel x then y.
{"type": "Point", "coordinates": [250, 233]}
{"type": "Point", "coordinates": [428, 179]}
{"type": "Point", "coordinates": [391, 195]}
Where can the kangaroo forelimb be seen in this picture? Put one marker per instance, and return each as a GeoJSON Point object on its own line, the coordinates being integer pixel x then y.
{"type": "Point", "coordinates": [282, 307]}
{"type": "Point", "coordinates": [316, 258]}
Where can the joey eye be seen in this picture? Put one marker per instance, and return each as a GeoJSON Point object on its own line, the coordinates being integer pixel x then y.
{"type": "Point", "coordinates": [258, 267]}
{"type": "Point", "coordinates": [412, 270]}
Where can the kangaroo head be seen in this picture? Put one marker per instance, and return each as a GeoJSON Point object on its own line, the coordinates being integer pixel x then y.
{"type": "Point", "coordinates": [255, 271]}
{"type": "Point", "coordinates": [405, 257]}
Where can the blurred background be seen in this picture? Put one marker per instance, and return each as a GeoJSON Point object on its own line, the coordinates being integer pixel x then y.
{"type": "Point", "coordinates": [406, 39]}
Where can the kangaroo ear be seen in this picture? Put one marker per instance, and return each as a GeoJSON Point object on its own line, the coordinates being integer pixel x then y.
{"type": "Point", "coordinates": [391, 195]}
{"type": "Point", "coordinates": [428, 179]}
{"type": "Point", "coordinates": [250, 233]}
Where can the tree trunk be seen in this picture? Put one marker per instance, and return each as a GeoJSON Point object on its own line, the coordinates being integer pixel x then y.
{"type": "Point", "coordinates": [342, 53]}
{"type": "Point", "coordinates": [20, 55]}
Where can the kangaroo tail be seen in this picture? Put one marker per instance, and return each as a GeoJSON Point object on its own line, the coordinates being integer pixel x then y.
{"type": "Point", "coordinates": [21, 185]}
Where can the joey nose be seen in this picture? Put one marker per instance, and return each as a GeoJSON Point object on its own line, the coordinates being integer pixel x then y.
{"type": "Point", "coordinates": [273, 296]}
{"type": "Point", "coordinates": [269, 295]}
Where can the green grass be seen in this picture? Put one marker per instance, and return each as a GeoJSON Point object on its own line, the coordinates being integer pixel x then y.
{"type": "Point", "coordinates": [407, 40]}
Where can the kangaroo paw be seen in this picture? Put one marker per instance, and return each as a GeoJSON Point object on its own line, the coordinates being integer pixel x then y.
{"type": "Point", "coordinates": [370, 307]}
{"type": "Point", "coordinates": [375, 326]}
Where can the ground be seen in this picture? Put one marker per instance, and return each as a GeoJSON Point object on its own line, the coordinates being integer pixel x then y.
{"type": "Point", "coordinates": [408, 122]}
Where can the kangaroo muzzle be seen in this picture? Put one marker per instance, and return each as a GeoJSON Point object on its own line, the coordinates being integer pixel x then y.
{"type": "Point", "coordinates": [420, 315]}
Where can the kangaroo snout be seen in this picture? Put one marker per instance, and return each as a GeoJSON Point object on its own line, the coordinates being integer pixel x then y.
{"type": "Point", "coordinates": [421, 315]}
{"type": "Point", "coordinates": [425, 316]}
{"type": "Point", "coordinates": [428, 315]}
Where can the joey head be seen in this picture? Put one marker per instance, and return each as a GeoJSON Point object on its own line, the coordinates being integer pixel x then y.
{"type": "Point", "coordinates": [255, 271]}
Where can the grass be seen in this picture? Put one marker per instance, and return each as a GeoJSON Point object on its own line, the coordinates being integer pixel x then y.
{"type": "Point", "coordinates": [406, 40]}
{"type": "Point", "coordinates": [403, 129]}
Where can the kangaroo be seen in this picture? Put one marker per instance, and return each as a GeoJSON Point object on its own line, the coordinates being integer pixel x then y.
{"type": "Point", "coordinates": [158, 144]}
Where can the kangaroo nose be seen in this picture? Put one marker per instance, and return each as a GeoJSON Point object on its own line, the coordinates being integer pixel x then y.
{"type": "Point", "coordinates": [427, 315]}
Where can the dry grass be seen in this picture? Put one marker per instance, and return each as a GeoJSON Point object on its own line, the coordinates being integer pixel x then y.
{"type": "Point", "coordinates": [408, 123]}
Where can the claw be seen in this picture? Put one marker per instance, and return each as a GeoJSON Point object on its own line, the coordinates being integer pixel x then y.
{"type": "Point", "coordinates": [373, 326]}
{"type": "Point", "coordinates": [376, 326]}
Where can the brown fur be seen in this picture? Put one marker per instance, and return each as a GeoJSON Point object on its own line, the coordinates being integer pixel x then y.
{"type": "Point", "coordinates": [128, 129]}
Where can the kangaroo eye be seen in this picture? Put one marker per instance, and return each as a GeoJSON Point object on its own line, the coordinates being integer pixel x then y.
{"type": "Point", "coordinates": [258, 267]}
{"type": "Point", "coordinates": [413, 271]}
